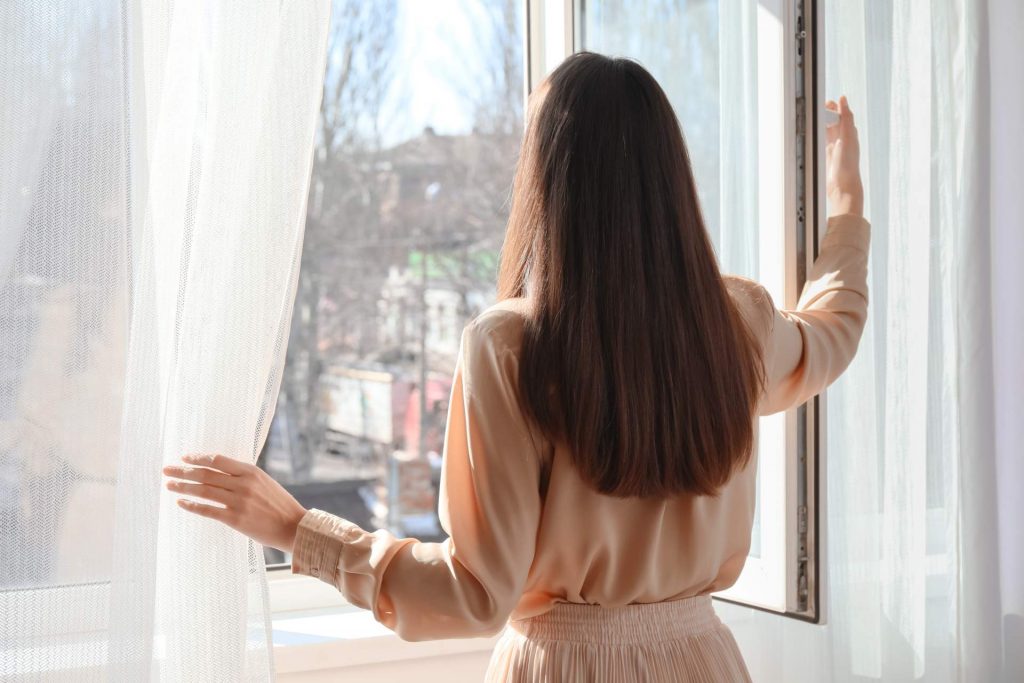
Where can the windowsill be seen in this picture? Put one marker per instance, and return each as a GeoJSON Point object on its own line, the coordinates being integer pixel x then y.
{"type": "Point", "coordinates": [327, 639]}
{"type": "Point", "coordinates": [314, 629]}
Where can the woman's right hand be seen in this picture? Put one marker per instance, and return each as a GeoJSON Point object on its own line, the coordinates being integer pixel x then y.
{"type": "Point", "coordinates": [842, 159]}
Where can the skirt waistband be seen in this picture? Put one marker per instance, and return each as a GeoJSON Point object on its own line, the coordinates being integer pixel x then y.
{"type": "Point", "coordinates": [626, 625]}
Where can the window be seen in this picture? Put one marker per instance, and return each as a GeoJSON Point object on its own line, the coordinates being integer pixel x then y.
{"type": "Point", "coordinates": [736, 76]}
{"type": "Point", "coordinates": [418, 136]}
{"type": "Point", "coordinates": [407, 209]}
{"type": "Point", "coordinates": [61, 374]}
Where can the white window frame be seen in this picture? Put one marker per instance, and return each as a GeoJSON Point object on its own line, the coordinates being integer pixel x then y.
{"type": "Point", "coordinates": [784, 579]}
{"type": "Point", "coordinates": [789, 482]}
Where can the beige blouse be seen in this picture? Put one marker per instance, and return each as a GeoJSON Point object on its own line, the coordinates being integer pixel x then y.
{"type": "Point", "coordinates": [525, 530]}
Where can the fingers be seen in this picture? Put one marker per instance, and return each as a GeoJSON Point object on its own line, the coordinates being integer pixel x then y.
{"type": "Point", "coordinates": [832, 131]}
{"type": "Point", "coordinates": [217, 462]}
{"type": "Point", "coordinates": [202, 475]}
{"type": "Point", "coordinates": [211, 511]}
{"type": "Point", "coordinates": [832, 127]}
{"type": "Point", "coordinates": [846, 116]}
{"type": "Point", "coordinates": [844, 130]}
{"type": "Point", "coordinates": [843, 109]}
{"type": "Point", "coordinates": [218, 495]}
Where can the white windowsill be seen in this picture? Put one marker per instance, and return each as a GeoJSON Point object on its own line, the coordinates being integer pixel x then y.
{"type": "Point", "coordinates": [325, 640]}
{"type": "Point", "coordinates": [315, 629]}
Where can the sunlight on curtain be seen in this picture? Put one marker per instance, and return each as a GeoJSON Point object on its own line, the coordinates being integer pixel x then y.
{"type": "Point", "coordinates": [153, 180]}
{"type": "Point", "coordinates": [893, 499]}
{"type": "Point", "coordinates": [922, 512]}
{"type": "Point", "coordinates": [912, 547]}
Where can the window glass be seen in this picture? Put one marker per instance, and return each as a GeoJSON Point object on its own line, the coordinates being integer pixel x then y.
{"type": "Point", "coordinates": [416, 147]}
{"type": "Point", "coordinates": [706, 57]}
{"type": "Point", "coordinates": [64, 216]}
{"type": "Point", "coordinates": [677, 41]}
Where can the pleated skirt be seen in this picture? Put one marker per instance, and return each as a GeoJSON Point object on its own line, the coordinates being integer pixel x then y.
{"type": "Point", "coordinates": [680, 640]}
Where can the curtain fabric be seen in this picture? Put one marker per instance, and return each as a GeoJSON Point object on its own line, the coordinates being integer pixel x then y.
{"type": "Point", "coordinates": [915, 512]}
{"type": "Point", "coordinates": [924, 558]}
{"type": "Point", "coordinates": [153, 180]}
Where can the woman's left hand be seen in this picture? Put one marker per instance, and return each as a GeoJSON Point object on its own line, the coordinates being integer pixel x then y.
{"type": "Point", "coordinates": [252, 501]}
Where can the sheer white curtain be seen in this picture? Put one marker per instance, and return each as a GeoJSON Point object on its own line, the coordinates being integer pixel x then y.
{"type": "Point", "coordinates": [893, 421]}
{"type": "Point", "coordinates": [918, 529]}
{"type": "Point", "coordinates": [153, 178]}
{"type": "Point", "coordinates": [925, 549]}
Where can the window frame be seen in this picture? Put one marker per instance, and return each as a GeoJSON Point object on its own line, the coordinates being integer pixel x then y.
{"type": "Point", "coordinates": [786, 579]}
{"type": "Point", "coordinates": [549, 35]}
{"type": "Point", "coordinates": [802, 74]}
{"type": "Point", "coordinates": [801, 70]}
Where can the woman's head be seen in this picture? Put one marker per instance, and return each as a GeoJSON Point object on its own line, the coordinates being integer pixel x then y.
{"type": "Point", "coordinates": [635, 356]}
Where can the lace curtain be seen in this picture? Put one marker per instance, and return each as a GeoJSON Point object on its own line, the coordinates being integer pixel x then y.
{"type": "Point", "coordinates": [153, 179]}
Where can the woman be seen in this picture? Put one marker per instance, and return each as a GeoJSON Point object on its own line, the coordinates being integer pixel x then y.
{"type": "Point", "coordinates": [598, 478]}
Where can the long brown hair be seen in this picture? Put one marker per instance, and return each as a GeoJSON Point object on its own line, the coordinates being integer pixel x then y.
{"type": "Point", "coordinates": [634, 354]}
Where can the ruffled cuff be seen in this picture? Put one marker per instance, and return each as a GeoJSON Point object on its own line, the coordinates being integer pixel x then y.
{"type": "Point", "coordinates": [848, 230]}
{"type": "Point", "coordinates": [319, 542]}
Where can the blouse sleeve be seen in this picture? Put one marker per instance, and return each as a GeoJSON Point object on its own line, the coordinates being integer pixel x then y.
{"type": "Point", "coordinates": [489, 504]}
{"type": "Point", "coordinates": [809, 347]}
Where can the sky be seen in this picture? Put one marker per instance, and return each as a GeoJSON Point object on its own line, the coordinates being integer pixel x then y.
{"type": "Point", "coordinates": [438, 44]}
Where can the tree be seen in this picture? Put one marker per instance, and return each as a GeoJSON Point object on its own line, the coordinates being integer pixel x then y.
{"type": "Point", "coordinates": [368, 211]}
{"type": "Point", "coordinates": [343, 206]}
